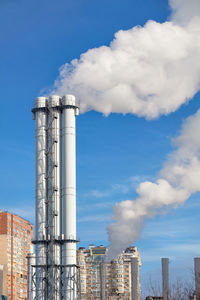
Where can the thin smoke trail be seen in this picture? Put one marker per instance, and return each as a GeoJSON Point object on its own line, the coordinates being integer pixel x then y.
{"type": "Point", "coordinates": [177, 181]}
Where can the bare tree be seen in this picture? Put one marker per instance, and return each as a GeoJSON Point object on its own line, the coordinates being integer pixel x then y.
{"type": "Point", "coordinates": [154, 287]}
{"type": "Point", "coordinates": [179, 290]}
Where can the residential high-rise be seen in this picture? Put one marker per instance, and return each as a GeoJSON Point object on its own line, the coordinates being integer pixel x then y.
{"type": "Point", "coordinates": [16, 235]}
{"type": "Point", "coordinates": [117, 273]}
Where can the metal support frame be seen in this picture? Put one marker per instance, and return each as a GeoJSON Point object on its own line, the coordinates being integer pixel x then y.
{"type": "Point", "coordinates": [59, 271]}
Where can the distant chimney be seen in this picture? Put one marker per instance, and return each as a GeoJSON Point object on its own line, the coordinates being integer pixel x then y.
{"type": "Point", "coordinates": [165, 278]}
{"type": "Point", "coordinates": [31, 271]}
{"type": "Point", "coordinates": [197, 276]}
{"type": "Point", "coordinates": [103, 280]}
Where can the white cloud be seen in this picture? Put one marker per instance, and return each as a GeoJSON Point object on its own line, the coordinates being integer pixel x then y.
{"type": "Point", "coordinates": [104, 204]}
{"type": "Point", "coordinates": [184, 248]}
{"type": "Point", "coordinates": [171, 229]}
{"type": "Point", "coordinates": [135, 180]}
{"type": "Point", "coordinates": [96, 194]}
{"type": "Point", "coordinates": [27, 212]}
{"type": "Point", "coordinates": [113, 189]}
{"type": "Point", "coordinates": [175, 251]}
{"type": "Point", "coordinates": [94, 218]}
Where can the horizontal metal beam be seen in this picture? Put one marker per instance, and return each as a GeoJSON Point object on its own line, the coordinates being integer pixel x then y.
{"type": "Point", "coordinates": [56, 241]}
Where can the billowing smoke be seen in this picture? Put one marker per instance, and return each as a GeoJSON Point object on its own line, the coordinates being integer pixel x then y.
{"type": "Point", "coordinates": [147, 71]}
{"type": "Point", "coordinates": [183, 11]}
{"type": "Point", "coordinates": [178, 179]}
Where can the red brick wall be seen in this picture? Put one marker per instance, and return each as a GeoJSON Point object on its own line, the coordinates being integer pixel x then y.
{"type": "Point", "coordinates": [3, 222]}
{"type": "Point", "coordinates": [19, 228]}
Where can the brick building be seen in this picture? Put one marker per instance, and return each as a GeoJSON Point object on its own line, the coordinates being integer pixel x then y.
{"type": "Point", "coordinates": [16, 235]}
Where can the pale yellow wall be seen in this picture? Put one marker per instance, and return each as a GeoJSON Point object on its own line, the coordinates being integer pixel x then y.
{"type": "Point", "coordinates": [3, 261]}
{"type": "Point", "coordinates": [1, 279]}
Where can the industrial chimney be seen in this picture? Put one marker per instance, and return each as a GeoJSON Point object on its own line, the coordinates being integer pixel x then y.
{"type": "Point", "coordinates": [103, 280]}
{"type": "Point", "coordinates": [55, 230]}
{"type": "Point", "coordinates": [165, 278]}
{"type": "Point", "coordinates": [31, 269]}
{"type": "Point", "coordinates": [197, 276]}
{"type": "Point", "coordinates": [70, 111]}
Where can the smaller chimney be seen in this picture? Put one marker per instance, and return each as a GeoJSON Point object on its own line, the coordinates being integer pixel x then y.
{"type": "Point", "coordinates": [197, 276]}
{"type": "Point", "coordinates": [31, 271]}
{"type": "Point", "coordinates": [135, 278]}
{"type": "Point", "coordinates": [103, 280]}
{"type": "Point", "coordinates": [165, 278]}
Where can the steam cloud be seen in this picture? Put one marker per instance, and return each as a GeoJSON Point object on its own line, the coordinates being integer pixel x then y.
{"type": "Point", "coordinates": [147, 71]}
{"type": "Point", "coordinates": [179, 178]}
{"type": "Point", "coordinates": [183, 11]}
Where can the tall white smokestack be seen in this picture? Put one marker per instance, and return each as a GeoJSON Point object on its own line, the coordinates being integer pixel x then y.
{"type": "Point", "coordinates": [197, 276]}
{"type": "Point", "coordinates": [55, 236]}
{"type": "Point", "coordinates": [69, 193]}
{"type": "Point", "coordinates": [165, 278]}
{"type": "Point", "coordinates": [135, 278]}
{"type": "Point", "coordinates": [40, 115]}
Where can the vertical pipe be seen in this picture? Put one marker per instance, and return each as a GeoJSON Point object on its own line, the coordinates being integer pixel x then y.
{"type": "Point", "coordinates": [54, 195]}
{"type": "Point", "coordinates": [40, 191]}
{"type": "Point", "coordinates": [165, 278]}
{"type": "Point", "coordinates": [103, 280]}
{"type": "Point", "coordinates": [69, 193]}
{"type": "Point", "coordinates": [1, 279]}
{"type": "Point", "coordinates": [31, 270]}
{"type": "Point", "coordinates": [61, 204]}
{"type": "Point", "coordinates": [135, 278]}
{"type": "Point", "coordinates": [197, 276]}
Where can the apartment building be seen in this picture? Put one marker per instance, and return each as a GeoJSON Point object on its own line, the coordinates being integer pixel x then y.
{"type": "Point", "coordinates": [16, 235]}
{"type": "Point", "coordinates": [117, 273]}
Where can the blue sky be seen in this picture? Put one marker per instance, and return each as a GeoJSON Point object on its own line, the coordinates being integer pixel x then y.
{"type": "Point", "coordinates": [114, 153]}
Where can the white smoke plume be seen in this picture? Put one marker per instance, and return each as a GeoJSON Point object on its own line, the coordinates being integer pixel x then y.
{"type": "Point", "coordinates": [178, 179]}
{"type": "Point", "coordinates": [183, 11]}
{"type": "Point", "coordinates": [147, 71]}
